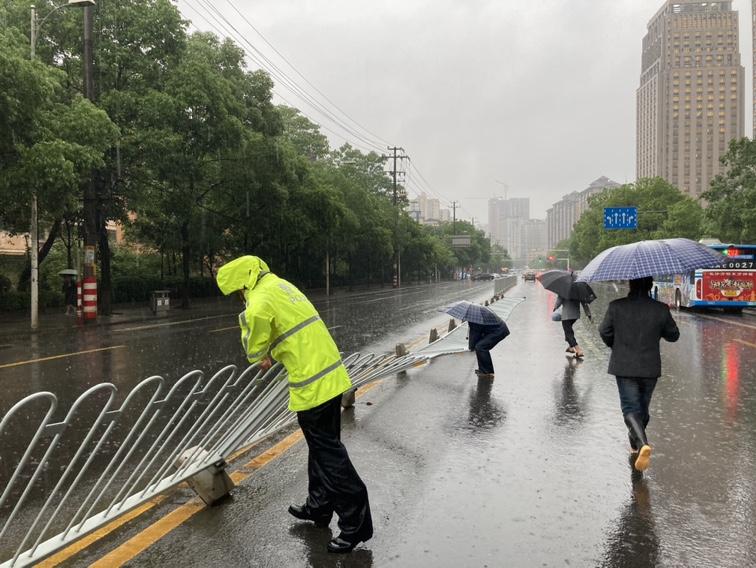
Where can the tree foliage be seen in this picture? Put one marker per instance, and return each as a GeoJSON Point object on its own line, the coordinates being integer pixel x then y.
{"type": "Point", "coordinates": [188, 151]}
{"type": "Point", "coordinates": [731, 214]}
{"type": "Point", "coordinates": [663, 212]}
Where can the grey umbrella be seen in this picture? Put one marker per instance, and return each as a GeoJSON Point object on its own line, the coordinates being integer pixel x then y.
{"type": "Point", "coordinates": [474, 313]}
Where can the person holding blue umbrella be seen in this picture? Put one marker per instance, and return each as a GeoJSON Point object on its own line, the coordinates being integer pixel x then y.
{"type": "Point", "coordinates": [634, 326]}
{"type": "Point", "coordinates": [486, 330]}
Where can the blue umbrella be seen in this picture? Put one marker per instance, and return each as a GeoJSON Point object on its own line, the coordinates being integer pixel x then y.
{"type": "Point", "coordinates": [474, 313]}
{"type": "Point", "coordinates": [650, 258]}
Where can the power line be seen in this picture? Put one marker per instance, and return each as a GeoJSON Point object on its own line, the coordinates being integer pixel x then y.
{"type": "Point", "coordinates": [368, 142]}
{"type": "Point", "coordinates": [321, 93]}
{"type": "Point", "coordinates": [230, 31]}
{"type": "Point", "coordinates": [275, 92]}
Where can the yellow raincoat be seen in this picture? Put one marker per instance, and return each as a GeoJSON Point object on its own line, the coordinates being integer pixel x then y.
{"type": "Point", "coordinates": [281, 322]}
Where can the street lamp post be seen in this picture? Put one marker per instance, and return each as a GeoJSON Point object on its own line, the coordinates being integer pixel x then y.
{"type": "Point", "coordinates": [34, 228]}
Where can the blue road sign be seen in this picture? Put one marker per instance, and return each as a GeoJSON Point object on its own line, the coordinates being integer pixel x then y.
{"type": "Point", "coordinates": [620, 218]}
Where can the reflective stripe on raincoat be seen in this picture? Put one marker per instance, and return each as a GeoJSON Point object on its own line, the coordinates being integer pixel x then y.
{"type": "Point", "coordinates": [280, 321]}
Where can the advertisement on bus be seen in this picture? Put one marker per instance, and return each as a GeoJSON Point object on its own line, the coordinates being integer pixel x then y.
{"type": "Point", "coordinates": [727, 286]}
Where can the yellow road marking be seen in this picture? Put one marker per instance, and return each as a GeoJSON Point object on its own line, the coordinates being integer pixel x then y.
{"type": "Point", "coordinates": [85, 542]}
{"type": "Point", "coordinates": [746, 343]}
{"type": "Point", "coordinates": [152, 534]}
{"type": "Point", "coordinates": [149, 536]}
{"type": "Point", "coordinates": [224, 329]}
{"type": "Point", "coordinates": [723, 320]}
{"type": "Point", "coordinates": [42, 359]}
{"type": "Point", "coordinates": [142, 541]}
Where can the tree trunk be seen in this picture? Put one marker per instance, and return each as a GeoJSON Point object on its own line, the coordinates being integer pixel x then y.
{"type": "Point", "coordinates": [23, 281]}
{"type": "Point", "coordinates": [185, 263]}
{"type": "Point", "coordinates": [45, 250]}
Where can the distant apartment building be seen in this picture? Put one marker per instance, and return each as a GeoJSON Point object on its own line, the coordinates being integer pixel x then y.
{"type": "Point", "coordinates": [504, 217]}
{"type": "Point", "coordinates": [534, 240]}
{"type": "Point", "coordinates": [510, 226]}
{"type": "Point", "coordinates": [690, 102]}
{"type": "Point", "coordinates": [427, 210]}
{"type": "Point", "coordinates": [562, 217]}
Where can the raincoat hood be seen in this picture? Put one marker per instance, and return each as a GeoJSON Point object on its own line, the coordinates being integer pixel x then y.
{"type": "Point", "coordinates": [241, 273]}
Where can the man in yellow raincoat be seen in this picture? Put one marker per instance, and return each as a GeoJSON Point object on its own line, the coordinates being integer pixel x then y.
{"type": "Point", "coordinates": [279, 323]}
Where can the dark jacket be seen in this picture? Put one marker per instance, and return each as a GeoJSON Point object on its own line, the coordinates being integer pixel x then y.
{"type": "Point", "coordinates": [477, 332]}
{"type": "Point", "coordinates": [633, 327]}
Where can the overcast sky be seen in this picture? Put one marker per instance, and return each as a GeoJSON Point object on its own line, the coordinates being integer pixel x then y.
{"type": "Point", "coordinates": [539, 94]}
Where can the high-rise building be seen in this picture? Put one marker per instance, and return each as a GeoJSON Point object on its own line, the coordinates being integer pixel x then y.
{"type": "Point", "coordinates": [563, 215]}
{"type": "Point", "coordinates": [505, 217]}
{"type": "Point", "coordinates": [691, 94]}
{"type": "Point", "coordinates": [534, 240]}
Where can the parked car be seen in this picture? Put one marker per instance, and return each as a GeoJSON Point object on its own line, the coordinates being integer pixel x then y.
{"type": "Point", "coordinates": [483, 276]}
{"type": "Point", "coordinates": [529, 275]}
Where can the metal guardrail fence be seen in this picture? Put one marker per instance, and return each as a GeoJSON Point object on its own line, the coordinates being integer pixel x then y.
{"type": "Point", "coordinates": [101, 460]}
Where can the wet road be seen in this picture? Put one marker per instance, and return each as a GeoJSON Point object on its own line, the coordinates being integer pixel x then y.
{"type": "Point", "coordinates": [530, 470]}
{"type": "Point", "coordinates": [128, 353]}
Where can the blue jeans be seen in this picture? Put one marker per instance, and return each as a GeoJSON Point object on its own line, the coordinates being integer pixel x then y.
{"type": "Point", "coordinates": [635, 398]}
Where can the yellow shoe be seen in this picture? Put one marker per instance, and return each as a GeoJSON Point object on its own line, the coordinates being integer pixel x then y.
{"type": "Point", "coordinates": [644, 458]}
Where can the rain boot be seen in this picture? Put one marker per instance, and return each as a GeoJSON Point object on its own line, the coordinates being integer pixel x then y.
{"type": "Point", "coordinates": [635, 425]}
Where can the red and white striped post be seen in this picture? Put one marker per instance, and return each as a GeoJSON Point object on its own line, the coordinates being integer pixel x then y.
{"type": "Point", "coordinates": [90, 298]}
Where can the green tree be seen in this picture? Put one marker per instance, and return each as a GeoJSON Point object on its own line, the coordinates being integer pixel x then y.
{"type": "Point", "coordinates": [731, 214]}
{"type": "Point", "coordinates": [663, 212]}
{"type": "Point", "coordinates": [499, 258]}
{"type": "Point", "coordinates": [49, 141]}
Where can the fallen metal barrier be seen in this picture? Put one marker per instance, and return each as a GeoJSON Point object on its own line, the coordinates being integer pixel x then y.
{"type": "Point", "coordinates": [123, 456]}
{"type": "Point", "coordinates": [455, 341]}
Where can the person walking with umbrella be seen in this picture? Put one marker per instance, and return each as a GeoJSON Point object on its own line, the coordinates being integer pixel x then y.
{"type": "Point", "coordinates": [634, 326]}
{"type": "Point", "coordinates": [486, 330]}
{"type": "Point", "coordinates": [570, 296]}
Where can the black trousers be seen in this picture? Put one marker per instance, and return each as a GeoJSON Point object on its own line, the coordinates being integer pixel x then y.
{"type": "Point", "coordinates": [569, 333]}
{"type": "Point", "coordinates": [482, 339]}
{"type": "Point", "coordinates": [334, 485]}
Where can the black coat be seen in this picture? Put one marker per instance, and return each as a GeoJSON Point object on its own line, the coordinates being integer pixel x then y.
{"type": "Point", "coordinates": [477, 332]}
{"type": "Point", "coordinates": [633, 327]}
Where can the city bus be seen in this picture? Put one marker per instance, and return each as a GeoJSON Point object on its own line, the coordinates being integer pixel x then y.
{"type": "Point", "coordinates": [731, 287]}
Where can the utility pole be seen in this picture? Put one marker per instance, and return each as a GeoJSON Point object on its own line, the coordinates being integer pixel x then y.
{"type": "Point", "coordinates": [397, 262]}
{"type": "Point", "coordinates": [90, 192]}
{"type": "Point", "coordinates": [454, 217]}
{"type": "Point", "coordinates": [34, 252]}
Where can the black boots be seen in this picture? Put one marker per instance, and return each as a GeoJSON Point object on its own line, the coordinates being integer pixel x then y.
{"type": "Point", "coordinates": [304, 513]}
{"type": "Point", "coordinates": [637, 434]}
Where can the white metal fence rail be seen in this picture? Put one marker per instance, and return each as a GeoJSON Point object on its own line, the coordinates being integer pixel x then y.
{"type": "Point", "coordinates": [102, 460]}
